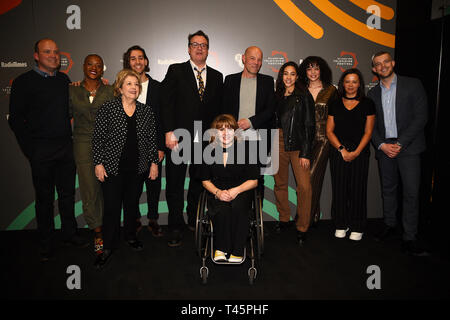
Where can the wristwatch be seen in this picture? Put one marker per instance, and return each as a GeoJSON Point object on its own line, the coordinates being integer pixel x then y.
{"type": "Point", "coordinates": [340, 148]}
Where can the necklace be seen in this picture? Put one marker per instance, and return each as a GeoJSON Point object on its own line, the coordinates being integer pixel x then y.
{"type": "Point", "coordinates": [353, 98]}
{"type": "Point", "coordinates": [93, 92]}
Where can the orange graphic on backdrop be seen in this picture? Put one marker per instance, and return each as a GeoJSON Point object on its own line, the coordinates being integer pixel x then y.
{"type": "Point", "coordinates": [7, 5]}
{"type": "Point", "coordinates": [340, 17]}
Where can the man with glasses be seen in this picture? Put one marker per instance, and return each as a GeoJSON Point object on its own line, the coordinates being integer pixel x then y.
{"type": "Point", "coordinates": [191, 91]}
{"type": "Point", "coordinates": [398, 137]}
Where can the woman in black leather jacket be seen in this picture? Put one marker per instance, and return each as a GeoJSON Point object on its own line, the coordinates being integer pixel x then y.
{"type": "Point", "coordinates": [296, 121]}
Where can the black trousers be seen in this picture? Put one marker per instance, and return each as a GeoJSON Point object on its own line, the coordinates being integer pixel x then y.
{"type": "Point", "coordinates": [175, 179]}
{"type": "Point", "coordinates": [405, 170]}
{"type": "Point", "coordinates": [53, 166]}
{"type": "Point", "coordinates": [120, 191]}
{"type": "Point", "coordinates": [153, 192]}
{"type": "Point", "coordinates": [231, 222]}
{"type": "Point", "coordinates": [349, 191]}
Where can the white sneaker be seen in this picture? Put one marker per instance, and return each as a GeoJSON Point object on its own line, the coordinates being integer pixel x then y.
{"type": "Point", "coordinates": [235, 259]}
{"type": "Point", "coordinates": [219, 256]}
{"type": "Point", "coordinates": [356, 236]}
{"type": "Point", "coordinates": [340, 233]}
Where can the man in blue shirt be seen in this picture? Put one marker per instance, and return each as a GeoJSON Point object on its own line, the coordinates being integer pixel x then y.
{"type": "Point", "coordinates": [398, 136]}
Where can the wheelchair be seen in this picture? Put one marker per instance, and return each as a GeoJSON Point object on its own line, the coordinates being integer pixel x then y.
{"type": "Point", "coordinates": [204, 237]}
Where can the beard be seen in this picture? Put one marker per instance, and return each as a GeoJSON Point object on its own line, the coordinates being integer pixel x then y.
{"type": "Point", "coordinates": [386, 76]}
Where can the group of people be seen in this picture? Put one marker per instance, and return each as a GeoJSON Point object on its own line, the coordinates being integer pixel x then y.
{"type": "Point", "coordinates": [122, 132]}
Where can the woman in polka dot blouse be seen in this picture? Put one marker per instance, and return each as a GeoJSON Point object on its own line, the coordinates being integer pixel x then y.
{"type": "Point", "coordinates": [124, 149]}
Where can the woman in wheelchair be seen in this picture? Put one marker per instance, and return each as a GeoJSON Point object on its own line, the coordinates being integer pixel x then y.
{"type": "Point", "coordinates": [229, 180]}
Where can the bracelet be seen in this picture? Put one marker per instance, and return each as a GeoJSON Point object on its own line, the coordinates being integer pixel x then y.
{"type": "Point", "coordinates": [215, 194]}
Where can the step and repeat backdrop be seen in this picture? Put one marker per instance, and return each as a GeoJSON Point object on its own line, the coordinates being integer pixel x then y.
{"type": "Point", "coordinates": [344, 32]}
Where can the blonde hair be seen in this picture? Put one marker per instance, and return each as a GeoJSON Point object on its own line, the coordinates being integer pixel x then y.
{"type": "Point", "coordinates": [223, 120]}
{"type": "Point", "coordinates": [120, 79]}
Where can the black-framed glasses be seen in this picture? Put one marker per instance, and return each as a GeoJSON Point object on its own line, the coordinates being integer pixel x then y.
{"type": "Point", "coordinates": [196, 45]}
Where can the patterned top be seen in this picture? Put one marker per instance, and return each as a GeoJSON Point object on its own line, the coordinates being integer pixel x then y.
{"type": "Point", "coordinates": [110, 134]}
{"type": "Point", "coordinates": [323, 100]}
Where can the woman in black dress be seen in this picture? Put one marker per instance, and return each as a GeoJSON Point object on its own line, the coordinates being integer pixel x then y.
{"type": "Point", "coordinates": [229, 179]}
{"type": "Point", "coordinates": [350, 123]}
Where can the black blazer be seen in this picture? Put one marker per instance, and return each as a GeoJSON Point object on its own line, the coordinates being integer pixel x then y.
{"type": "Point", "coordinates": [265, 99]}
{"type": "Point", "coordinates": [411, 112]}
{"type": "Point", "coordinates": [154, 100]}
{"type": "Point", "coordinates": [296, 116]}
{"type": "Point", "coordinates": [181, 104]}
{"type": "Point", "coordinates": [110, 134]}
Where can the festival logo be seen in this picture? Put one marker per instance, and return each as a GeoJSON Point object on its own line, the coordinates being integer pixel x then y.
{"type": "Point", "coordinates": [66, 62]}
{"type": "Point", "coordinates": [346, 60]}
{"type": "Point", "coordinates": [7, 90]}
{"type": "Point", "coordinates": [276, 60]}
{"type": "Point", "coordinates": [373, 82]}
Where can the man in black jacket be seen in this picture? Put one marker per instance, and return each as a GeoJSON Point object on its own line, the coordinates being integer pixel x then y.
{"type": "Point", "coordinates": [39, 117]}
{"type": "Point", "coordinates": [136, 59]}
{"type": "Point", "coordinates": [399, 139]}
{"type": "Point", "coordinates": [192, 91]}
{"type": "Point", "coordinates": [249, 96]}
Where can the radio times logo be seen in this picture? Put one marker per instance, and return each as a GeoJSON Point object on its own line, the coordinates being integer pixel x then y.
{"type": "Point", "coordinates": [13, 64]}
{"type": "Point", "coordinates": [66, 62]}
{"type": "Point", "coordinates": [346, 60]}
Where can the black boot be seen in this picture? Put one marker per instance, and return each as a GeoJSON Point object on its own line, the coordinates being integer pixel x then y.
{"type": "Point", "coordinates": [102, 259]}
{"type": "Point", "coordinates": [301, 238]}
{"type": "Point", "coordinates": [281, 226]}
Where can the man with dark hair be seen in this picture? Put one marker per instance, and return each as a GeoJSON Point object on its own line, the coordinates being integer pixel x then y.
{"type": "Point", "coordinates": [39, 117]}
{"type": "Point", "coordinates": [398, 137]}
{"type": "Point", "coordinates": [199, 33]}
{"type": "Point", "coordinates": [192, 91]}
{"type": "Point", "coordinates": [136, 59]}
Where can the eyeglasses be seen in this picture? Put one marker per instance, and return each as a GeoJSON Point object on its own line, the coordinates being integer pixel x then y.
{"type": "Point", "coordinates": [196, 45]}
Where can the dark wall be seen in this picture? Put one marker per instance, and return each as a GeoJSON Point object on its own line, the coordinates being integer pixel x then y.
{"type": "Point", "coordinates": [418, 50]}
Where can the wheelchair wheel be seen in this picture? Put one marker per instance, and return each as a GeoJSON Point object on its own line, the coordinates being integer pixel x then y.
{"type": "Point", "coordinates": [204, 274]}
{"type": "Point", "coordinates": [200, 229]}
{"type": "Point", "coordinates": [251, 275]}
{"type": "Point", "coordinates": [259, 226]}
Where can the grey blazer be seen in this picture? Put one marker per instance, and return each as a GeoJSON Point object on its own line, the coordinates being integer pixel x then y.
{"type": "Point", "coordinates": [411, 111]}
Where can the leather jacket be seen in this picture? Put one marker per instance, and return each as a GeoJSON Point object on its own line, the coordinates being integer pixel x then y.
{"type": "Point", "coordinates": [295, 116]}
